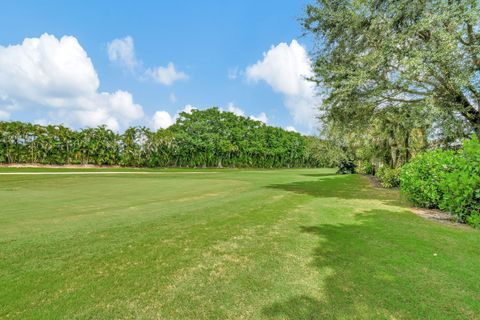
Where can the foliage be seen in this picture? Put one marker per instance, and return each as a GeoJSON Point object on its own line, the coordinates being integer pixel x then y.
{"type": "Point", "coordinates": [389, 136]}
{"type": "Point", "coordinates": [214, 138]}
{"type": "Point", "coordinates": [474, 220]}
{"type": "Point", "coordinates": [421, 178]}
{"type": "Point", "coordinates": [446, 179]}
{"type": "Point", "coordinates": [388, 177]}
{"type": "Point", "coordinates": [383, 53]}
{"type": "Point", "coordinates": [398, 77]}
{"type": "Point", "coordinates": [325, 153]}
{"type": "Point", "coordinates": [346, 167]}
{"type": "Point", "coordinates": [365, 167]}
{"type": "Point", "coordinates": [208, 138]}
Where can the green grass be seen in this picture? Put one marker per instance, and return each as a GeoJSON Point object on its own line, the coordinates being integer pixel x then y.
{"type": "Point", "coordinates": [238, 244]}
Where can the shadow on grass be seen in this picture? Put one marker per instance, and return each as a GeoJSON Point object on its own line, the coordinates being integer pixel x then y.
{"type": "Point", "coordinates": [378, 268]}
{"type": "Point", "coordinates": [340, 186]}
{"type": "Point", "coordinates": [300, 307]}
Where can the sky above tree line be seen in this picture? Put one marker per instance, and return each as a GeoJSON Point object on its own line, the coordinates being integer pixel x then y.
{"type": "Point", "coordinates": [124, 63]}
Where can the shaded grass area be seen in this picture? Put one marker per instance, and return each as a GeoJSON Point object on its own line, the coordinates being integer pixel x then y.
{"type": "Point", "coordinates": [340, 186]}
{"type": "Point", "coordinates": [382, 273]}
{"type": "Point", "coordinates": [273, 244]}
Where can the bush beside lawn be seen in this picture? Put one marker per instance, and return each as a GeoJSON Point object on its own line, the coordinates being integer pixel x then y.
{"type": "Point", "coordinates": [448, 180]}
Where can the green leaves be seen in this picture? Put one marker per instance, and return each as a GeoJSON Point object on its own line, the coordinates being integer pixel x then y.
{"type": "Point", "coordinates": [389, 178]}
{"type": "Point", "coordinates": [207, 138]}
{"type": "Point", "coordinates": [373, 55]}
{"type": "Point", "coordinates": [214, 138]}
{"type": "Point", "coordinates": [447, 180]}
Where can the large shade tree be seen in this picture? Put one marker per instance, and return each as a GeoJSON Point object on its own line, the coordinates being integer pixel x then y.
{"type": "Point", "coordinates": [374, 54]}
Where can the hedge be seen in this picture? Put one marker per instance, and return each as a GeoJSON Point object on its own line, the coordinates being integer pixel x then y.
{"type": "Point", "coordinates": [446, 179]}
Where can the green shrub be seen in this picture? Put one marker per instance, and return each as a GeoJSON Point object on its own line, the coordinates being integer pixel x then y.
{"type": "Point", "coordinates": [461, 186]}
{"type": "Point", "coordinates": [474, 219]}
{"type": "Point", "coordinates": [421, 178]}
{"type": "Point", "coordinates": [365, 167]}
{"type": "Point", "coordinates": [447, 180]}
{"type": "Point", "coordinates": [389, 178]}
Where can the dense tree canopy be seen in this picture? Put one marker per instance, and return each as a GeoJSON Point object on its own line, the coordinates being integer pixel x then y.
{"type": "Point", "coordinates": [207, 138]}
{"type": "Point", "coordinates": [397, 70]}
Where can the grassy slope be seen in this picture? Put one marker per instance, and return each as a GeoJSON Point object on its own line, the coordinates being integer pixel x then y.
{"type": "Point", "coordinates": [284, 244]}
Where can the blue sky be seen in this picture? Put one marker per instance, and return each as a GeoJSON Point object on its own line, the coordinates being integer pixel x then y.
{"type": "Point", "coordinates": [235, 55]}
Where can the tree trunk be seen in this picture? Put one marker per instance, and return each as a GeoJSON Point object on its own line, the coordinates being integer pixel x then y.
{"type": "Point", "coordinates": [407, 147]}
{"type": "Point", "coordinates": [470, 113]}
{"type": "Point", "coordinates": [476, 127]}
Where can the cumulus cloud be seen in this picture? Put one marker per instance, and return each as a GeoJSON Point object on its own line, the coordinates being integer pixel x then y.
{"type": "Point", "coordinates": [162, 119]}
{"type": "Point", "coordinates": [166, 75]}
{"type": "Point", "coordinates": [59, 75]}
{"type": "Point", "coordinates": [285, 68]}
{"type": "Point", "coordinates": [122, 51]}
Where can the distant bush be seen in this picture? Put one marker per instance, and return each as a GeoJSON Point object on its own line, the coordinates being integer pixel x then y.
{"type": "Point", "coordinates": [346, 167]}
{"type": "Point", "coordinates": [388, 177]}
{"type": "Point", "coordinates": [365, 167]}
{"type": "Point", "coordinates": [448, 180]}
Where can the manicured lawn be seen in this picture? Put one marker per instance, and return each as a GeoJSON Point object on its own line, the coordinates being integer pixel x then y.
{"type": "Point", "coordinates": [237, 244]}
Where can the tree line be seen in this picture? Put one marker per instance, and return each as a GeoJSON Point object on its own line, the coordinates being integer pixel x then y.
{"type": "Point", "coordinates": [202, 138]}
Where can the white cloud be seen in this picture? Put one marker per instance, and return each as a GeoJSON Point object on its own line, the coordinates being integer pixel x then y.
{"type": "Point", "coordinates": [231, 107]}
{"type": "Point", "coordinates": [166, 75]}
{"type": "Point", "coordinates": [260, 117]}
{"type": "Point", "coordinates": [291, 129]}
{"type": "Point", "coordinates": [172, 97]}
{"type": "Point", "coordinates": [162, 119]}
{"type": "Point", "coordinates": [234, 109]}
{"type": "Point", "coordinates": [187, 109]}
{"type": "Point", "coordinates": [122, 51]}
{"type": "Point", "coordinates": [284, 68]}
{"type": "Point", "coordinates": [47, 70]}
{"type": "Point", "coordinates": [59, 75]}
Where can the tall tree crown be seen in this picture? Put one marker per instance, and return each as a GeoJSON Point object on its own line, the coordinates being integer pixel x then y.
{"type": "Point", "coordinates": [402, 53]}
